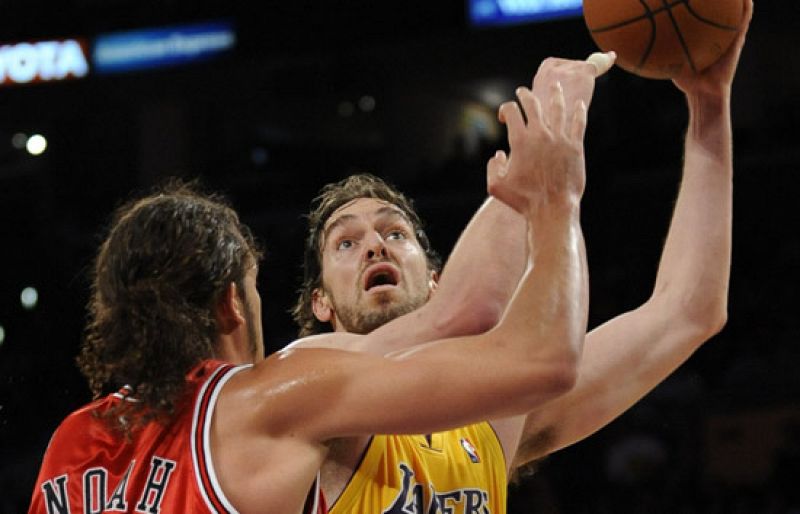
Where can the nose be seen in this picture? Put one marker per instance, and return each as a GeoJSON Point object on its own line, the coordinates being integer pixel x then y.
{"type": "Point", "coordinates": [376, 249]}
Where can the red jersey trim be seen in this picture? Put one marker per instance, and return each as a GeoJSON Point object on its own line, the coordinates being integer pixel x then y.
{"type": "Point", "coordinates": [207, 482]}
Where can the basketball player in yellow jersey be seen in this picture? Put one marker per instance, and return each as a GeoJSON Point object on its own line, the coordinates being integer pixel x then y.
{"type": "Point", "coordinates": [392, 271]}
{"type": "Point", "coordinates": [378, 266]}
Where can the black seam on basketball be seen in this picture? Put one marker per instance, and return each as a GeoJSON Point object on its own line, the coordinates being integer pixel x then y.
{"type": "Point", "coordinates": [651, 17]}
{"type": "Point", "coordinates": [680, 37]}
{"type": "Point", "coordinates": [619, 24]}
{"type": "Point", "coordinates": [648, 14]}
{"type": "Point", "coordinates": [707, 21]}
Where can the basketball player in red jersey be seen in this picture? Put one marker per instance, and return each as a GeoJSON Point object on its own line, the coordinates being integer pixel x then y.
{"type": "Point", "coordinates": [206, 424]}
{"type": "Point", "coordinates": [623, 358]}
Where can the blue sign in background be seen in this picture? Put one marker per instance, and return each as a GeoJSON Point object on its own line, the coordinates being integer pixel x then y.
{"type": "Point", "coordinates": [506, 12]}
{"type": "Point", "coordinates": [167, 46]}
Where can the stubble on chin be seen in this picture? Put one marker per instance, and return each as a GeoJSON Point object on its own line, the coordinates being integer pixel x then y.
{"type": "Point", "coordinates": [365, 321]}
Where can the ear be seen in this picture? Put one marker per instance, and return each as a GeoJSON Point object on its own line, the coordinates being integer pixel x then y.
{"type": "Point", "coordinates": [321, 306]}
{"type": "Point", "coordinates": [433, 282]}
{"type": "Point", "coordinates": [229, 310]}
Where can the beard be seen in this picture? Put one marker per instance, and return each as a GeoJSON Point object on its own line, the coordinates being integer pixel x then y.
{"type": "Point", "coordinates": [365, 321]}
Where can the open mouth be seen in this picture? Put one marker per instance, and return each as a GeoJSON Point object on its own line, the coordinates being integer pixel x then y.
{"type": "Point", "coordinates": [380, 275]}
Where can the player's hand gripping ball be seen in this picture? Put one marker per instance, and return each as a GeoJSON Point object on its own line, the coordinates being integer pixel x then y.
{"type": "Point", "coordinates": [662, 39]}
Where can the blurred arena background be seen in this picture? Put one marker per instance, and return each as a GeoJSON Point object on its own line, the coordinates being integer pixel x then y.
{"type": "Point", "coordinates": [268, 101]}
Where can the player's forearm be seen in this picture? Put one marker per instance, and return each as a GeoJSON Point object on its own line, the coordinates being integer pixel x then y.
{"type": "Point", "coordinates": [481, 273]}
{"type": "Point", "coordinates": [694, 271]}
{"type": "Point", "coordinates": [535, 348]}
{"type": "Point", "coordinates": [552, 300]}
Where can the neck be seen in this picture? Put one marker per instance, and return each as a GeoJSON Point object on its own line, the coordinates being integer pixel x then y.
{"type": "Point", "coordinates": [233, 349]}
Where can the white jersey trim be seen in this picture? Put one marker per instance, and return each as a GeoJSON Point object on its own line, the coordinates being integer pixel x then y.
{"type": "Point", "coordinates": [205, 435]}
{"type": "Point", "coordinates": [315, 505]}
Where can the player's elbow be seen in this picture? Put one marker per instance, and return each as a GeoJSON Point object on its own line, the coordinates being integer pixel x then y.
{"type": "Point", "coordinates": [560, 370]}
{"type": "Point", "coordinates": [538, 371]}
{"type": "Point", "coordinates": [707, 317]}
{"type": "Point", "coordinates": [712, 322]}
{"type": "Point", "coordinates": [699, 327]}
{"type": "Point", "coordinates": [467, 318]}
{"type": "Point", "coordinates": [545, 384]}
{"type": "Point", "coordinates": [703, 316]}
{"type": "Point", "coordinates": [564, 376]}
{"type": "Point", "coordinates": [483, 317]}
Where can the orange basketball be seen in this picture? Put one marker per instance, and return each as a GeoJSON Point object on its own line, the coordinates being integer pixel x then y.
{"type": "Point", "coordinates": [661, 39]}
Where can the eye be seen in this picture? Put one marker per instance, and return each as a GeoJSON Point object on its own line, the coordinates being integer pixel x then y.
{"type": "Point", "coordinates": [345, 244]}
{"type": "Point", "coordinates": [396, 234]}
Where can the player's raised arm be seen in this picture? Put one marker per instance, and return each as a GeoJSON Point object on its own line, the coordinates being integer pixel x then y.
{"type": "Point", "coordinates": [629, 355]}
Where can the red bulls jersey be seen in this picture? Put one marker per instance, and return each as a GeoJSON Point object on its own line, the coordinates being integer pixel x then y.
{"type": "Point", "coordinates": [91, 468]}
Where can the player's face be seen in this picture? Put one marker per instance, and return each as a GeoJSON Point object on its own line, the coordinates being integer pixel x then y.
{"type": "Point", "coordinates": [252, 305]}
{"type": "Point", "coordinates": [373, 267]}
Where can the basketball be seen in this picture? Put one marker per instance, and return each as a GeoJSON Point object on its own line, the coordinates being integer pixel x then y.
{"type": "Point", "coordinates": [662, 39]}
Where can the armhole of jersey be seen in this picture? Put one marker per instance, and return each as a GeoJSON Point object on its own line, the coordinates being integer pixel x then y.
{"type": "Point", "coordinates": [353, 474]}
{"type": "Point", "coordinates": [206, 477]}
{"type": "Point", "coordinates": [500, 448]}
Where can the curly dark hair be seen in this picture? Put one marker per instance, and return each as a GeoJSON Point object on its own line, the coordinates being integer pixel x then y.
{"type": "Point", "coordinates": [332, 197]}
{"type": "Point", "coordinates": [167, 259]}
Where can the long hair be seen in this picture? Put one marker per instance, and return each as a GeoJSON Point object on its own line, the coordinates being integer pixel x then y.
{"type": "Point", "coordinates": [331, 198]}
{"type": "Point", "coordinates": [164, 264]}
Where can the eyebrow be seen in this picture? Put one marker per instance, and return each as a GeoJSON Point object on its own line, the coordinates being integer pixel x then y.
{"type": "Point", "coordinates": [385, 211]}
{"type": "Point", "coordinates": [391, 212]}
{"type": "Point", "coordinates": [341, 220]}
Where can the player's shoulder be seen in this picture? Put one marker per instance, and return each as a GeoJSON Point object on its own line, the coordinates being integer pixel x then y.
{"type": "Point", "coordinates": [81, 422]}
{"type": "Point", "coordinates": [331, 340]}
{"type": "Point", "coordinates": [90, 410]}
{"type": "Point", "coordinates": [298, 360]}
{"type": "Point", "coordinates": [298, 374]}
{"type": "Point", "coordinates": [283, 394]}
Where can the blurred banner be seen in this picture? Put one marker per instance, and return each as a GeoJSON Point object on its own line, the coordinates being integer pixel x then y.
{"type": "Point", "coordinates": [507, 12]}
{"type": "Point", "coordinates": [161, 47]}
{"type": "Point", "coordinates": [31, 62]}
{"type": "Point", "coordinates": [42, 61]}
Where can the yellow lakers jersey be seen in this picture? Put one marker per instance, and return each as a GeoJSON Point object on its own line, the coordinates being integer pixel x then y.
{"type": "Point", "coordinates": [460, 471]}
